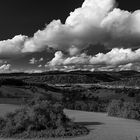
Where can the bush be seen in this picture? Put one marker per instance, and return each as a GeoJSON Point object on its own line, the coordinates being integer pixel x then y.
{"type": "Point", "coordinates": [95, 106]}
{"type": "Point", "coordinates": [42, 119]}
{"type": "Point", "coordinates": [129, 110]}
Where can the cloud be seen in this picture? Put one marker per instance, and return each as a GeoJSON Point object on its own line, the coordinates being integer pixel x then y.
{"type": "Point", "coordinates": [58, 59]}
{"type": "Point", "coordinates": [12, 47]}
{"type": "Point", "coordinates": [116, 58]}
{"type": "Point", "coordinates": [80, 29]}
{"type": "Point", "coordinates": [39, 66]}
{"type": "Point", "coordinates": [41, 59]}
{"type": "Point", "coordinates": [33, 71]}
{"type": "Point", "coordinates": [123, 28]}
{"type": "Point", "coordinates": [95, 22]}
{"type": "Point", "coordinates": [33, 61]}
{"type": "Point", "coordinates": [5, 68]}
{"type": "Point", "coordinates": [126, 67]}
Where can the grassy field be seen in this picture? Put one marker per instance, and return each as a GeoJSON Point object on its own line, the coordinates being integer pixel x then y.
{"type": "Point", "coordinates": [101, 126]}
{"type": "Point", "coordinates": [5, 108]}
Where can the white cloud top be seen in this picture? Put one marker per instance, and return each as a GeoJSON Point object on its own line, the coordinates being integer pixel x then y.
{"type": "Point", "coordinates": [96, 21]}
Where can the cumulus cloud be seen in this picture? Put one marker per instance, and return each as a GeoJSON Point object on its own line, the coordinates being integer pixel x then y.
{"type": "Point", "coordinates": [115, 58]}
{"type": "Point", "coordinates": [80, 29]}
{"type": "Point", "coordinates": [58, 59]}
{"type": "Point", "coordinates": [33, 71]}
{"type": "Point", "coordinates": [5, 68]}
{"type": "Point", "coordinates": [95, 22]}
{"type": "Point", "coordinates": [39, 66]}
{"type": "Point", "coordinates": [33, 61]}
{"type": "Point", "coordinates": [41, 59]}
{"type": "Point", "coordinates": [12, 47]}
{"type": "Point", "coordinates": [126, 67]}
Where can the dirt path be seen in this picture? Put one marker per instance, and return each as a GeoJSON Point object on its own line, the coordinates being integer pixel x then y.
{"type": "Point", "coordinates": [106, 128]}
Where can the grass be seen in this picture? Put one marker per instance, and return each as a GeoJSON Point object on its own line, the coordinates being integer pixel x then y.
{"type": "Point", "coordinates": [6, 108]}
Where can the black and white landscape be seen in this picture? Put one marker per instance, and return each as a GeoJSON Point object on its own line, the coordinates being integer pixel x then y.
{"type": "Point", "coordinates": [77, 77]}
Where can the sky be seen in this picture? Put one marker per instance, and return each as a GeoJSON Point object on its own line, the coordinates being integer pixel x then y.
{"type": "Point", "coordinates": [67, 35]}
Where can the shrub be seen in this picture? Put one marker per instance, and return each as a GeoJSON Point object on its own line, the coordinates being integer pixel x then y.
{"type": "Point", "coordinates": [129, 110]}
{"type": "Point", "coordinates": [42, 119]}
{"type": "Point", "coordinates": [95, 106]}
{"type": "Point", "coordinates": [115, 107]}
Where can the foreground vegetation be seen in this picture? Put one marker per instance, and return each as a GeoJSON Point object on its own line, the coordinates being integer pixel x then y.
{"type": "Point", "coordinates": [39, 119]}
{"type": "Point", "coordinates": [99, 124]}
{"type": "Point", "coordinates": [120, 108]}
{"type": "Point", "coordinates": [45, 118]}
